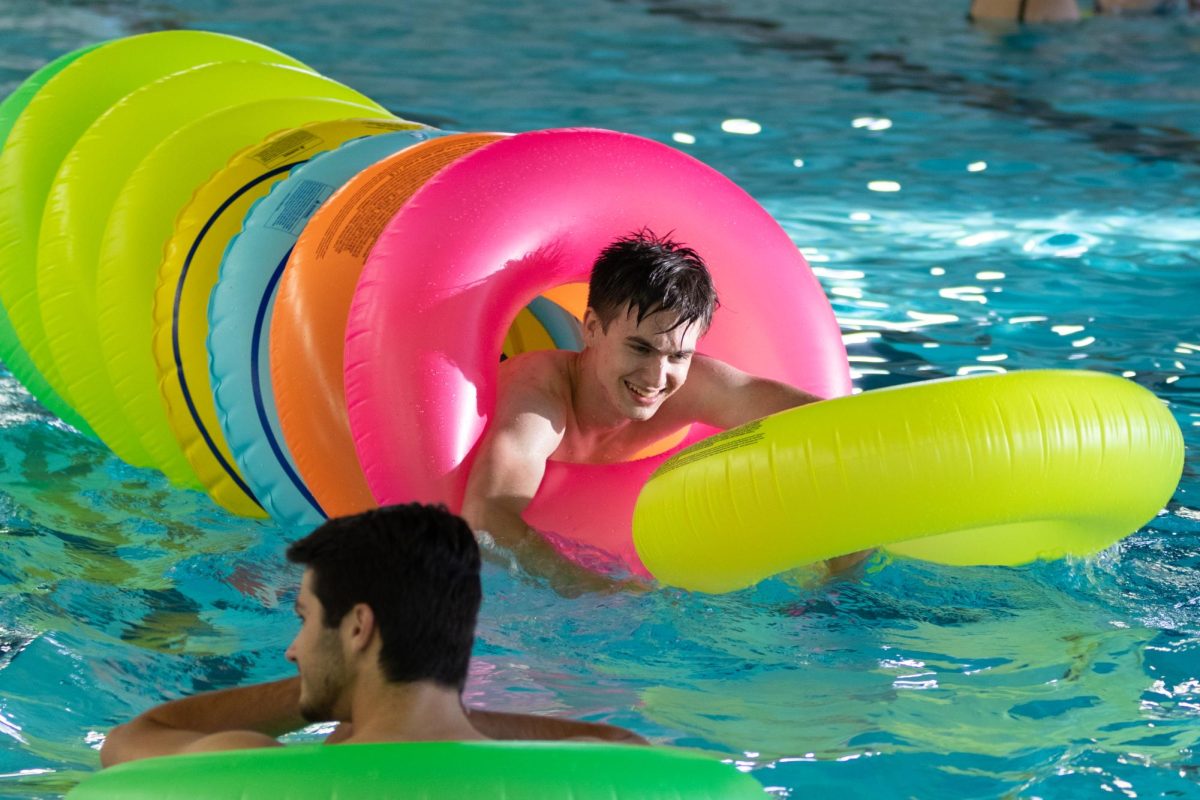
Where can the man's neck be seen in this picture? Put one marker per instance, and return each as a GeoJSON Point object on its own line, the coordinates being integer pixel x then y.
{"type": "Point", "coordinates": [409, 712]}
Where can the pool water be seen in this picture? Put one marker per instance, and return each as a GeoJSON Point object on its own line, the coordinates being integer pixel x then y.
{"type": "Point", "coordinates": [972, 199]}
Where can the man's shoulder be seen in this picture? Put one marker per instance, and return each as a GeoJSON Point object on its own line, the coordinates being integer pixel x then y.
{"type": "Point", "coordinates": [702, 361]}
{"type": "Point", "coordinates": [710, 383]}
{"type": "Point", "coordinates": [537, 370]}
{"type": "Point", "coordinates": [539, 379]}
{"type": "Point", "coordinates": [708, 373]}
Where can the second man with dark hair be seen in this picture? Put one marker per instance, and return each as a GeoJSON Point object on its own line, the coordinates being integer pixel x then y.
{"type": "Point", "coordinates": [387, 609]}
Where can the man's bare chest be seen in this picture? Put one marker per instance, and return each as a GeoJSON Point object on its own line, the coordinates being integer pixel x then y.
{"type": "Point", "coordinates": [623, 444]}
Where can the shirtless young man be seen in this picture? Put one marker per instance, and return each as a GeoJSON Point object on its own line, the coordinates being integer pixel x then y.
{"type": "Point", "coordinates": [638, 379]}
{"type": "Point", "coordinates": [387, 607]}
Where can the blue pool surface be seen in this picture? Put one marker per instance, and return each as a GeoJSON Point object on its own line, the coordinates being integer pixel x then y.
{"type": "Point", "coordinates": [972, 200]}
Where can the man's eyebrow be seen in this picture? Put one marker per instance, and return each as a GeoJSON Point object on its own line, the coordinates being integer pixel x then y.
{"type": "Point", "coordinates": [635, 339]}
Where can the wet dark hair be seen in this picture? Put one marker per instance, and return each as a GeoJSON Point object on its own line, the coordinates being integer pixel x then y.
{"type": "Point", "coordinates": [417, 567]}
{"type": "Point", "coordinates": [650, 274]}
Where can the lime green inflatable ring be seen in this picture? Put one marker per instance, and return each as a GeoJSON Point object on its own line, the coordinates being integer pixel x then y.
{"type": "Point", "coordinates": [999, 469]}
{"type": "Point", "coordinates": [429, 771]}
{"type": "Point", "coordinates": [12, 354]}
{"type": "Point", "coordinates": [81, 198]}
{"type": "Point", "coordinates": [19, 98]}
{"type": "Point", "coordinates": [142, 219]}
{"type": "Point", "coordinates": [54, 119]}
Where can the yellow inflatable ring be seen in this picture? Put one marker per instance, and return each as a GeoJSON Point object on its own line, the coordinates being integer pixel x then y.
{"type": "Point", "coordinates": [186, 279]}
{"type": "Point", "coordinates": [998, 469]}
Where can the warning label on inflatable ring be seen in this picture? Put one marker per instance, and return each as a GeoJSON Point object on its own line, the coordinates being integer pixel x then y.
{"type": "Point", "coordinates": [732, 439]}
{"type": "Point", "coordinates": [372, 205]}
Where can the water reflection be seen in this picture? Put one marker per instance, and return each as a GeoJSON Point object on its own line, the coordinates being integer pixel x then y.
{"type": "Point", "coordinates": [872, 123]}
{"type": "Point", "coordinates": [891, 71]}
{"type": "Point", "coordinates": [745, 127]}
{"type": "Point", "coordinates": [1061, 244]}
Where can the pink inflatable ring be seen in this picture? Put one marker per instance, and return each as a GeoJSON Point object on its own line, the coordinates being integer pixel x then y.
{"type": "Point", "coordinates": [494, 230]}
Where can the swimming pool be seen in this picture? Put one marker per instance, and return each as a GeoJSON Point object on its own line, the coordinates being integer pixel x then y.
{"type": "Point", "coordinates": [973, 200]}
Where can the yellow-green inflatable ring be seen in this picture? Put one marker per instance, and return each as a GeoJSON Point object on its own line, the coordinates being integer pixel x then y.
{"type": "Point", "coordinates": [41, 137]}
{"type": "Point", "coordinates": [998, 469]}
{"type": "Point", "coordinates": [142, 221]}
{"type": "Point", "coordinates": [12, 353]}
{"type": "Point", "coordinates": [82, 196]}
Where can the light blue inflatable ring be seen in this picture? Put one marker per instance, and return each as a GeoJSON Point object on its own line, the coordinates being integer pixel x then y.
{"type": "Point", "coordinates": [239, 314]}
{"type": "Point", "coordinates": [240, 311]}
{"type": "Point", "coordinates": [564, 330]}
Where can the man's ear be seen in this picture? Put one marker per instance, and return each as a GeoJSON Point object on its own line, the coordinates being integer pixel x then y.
{"type": "Point", "coordinates": [592, 326]}
{"type": "Point", "coordinates": [358, 626]}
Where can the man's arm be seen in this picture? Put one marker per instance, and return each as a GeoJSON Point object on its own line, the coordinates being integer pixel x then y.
{"type": "Point", "coordinates": [528, 427]}
{"type": "Point", "coordinates": [725, 397]}
{"type": "Point", "coordinates": [508, 469]}
{"type": "Point", "coordinates": [228, 719]}
{"type": "Point", "coordinates": [502, 725]}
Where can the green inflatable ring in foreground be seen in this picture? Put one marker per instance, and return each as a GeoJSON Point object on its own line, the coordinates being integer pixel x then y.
{"type": "Point", "coordinates": [427, 771]}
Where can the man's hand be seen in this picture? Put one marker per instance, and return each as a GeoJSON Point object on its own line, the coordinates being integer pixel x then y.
{"type": "Point", "coordinates": [537, 560]}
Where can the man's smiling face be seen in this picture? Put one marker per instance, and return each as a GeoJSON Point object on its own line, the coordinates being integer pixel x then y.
{"type": "Point", "coordinates": [640, 364]}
